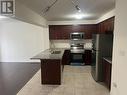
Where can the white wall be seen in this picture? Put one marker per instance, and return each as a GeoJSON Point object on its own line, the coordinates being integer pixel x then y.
{"type": "Point", "coordinates": [25, 14]}
{"type": "Point", "coordinates": [19, 41]}
{"type": "Point", "coordinates": [119, 72]}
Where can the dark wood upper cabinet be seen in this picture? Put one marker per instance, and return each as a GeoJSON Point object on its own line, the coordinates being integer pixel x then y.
{"type": "Point", "coordinates": [63, 31]}
{"type": "Point", "coordinates": [58, 32]}
{"type": "Point", "coordinates": [107, 26]}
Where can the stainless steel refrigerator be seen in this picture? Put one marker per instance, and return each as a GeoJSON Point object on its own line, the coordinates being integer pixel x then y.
{"type": "Point", "coordinates": [102, 47]}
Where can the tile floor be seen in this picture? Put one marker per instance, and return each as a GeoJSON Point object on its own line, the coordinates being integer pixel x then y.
{"type": "Point", "coordinates": [77, 80]}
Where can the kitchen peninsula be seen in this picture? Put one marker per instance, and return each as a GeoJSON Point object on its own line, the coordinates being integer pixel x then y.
{"type": "Point", "coordinates": [51, 66]}
{"type": "Point", "coordinates": [53, 61]}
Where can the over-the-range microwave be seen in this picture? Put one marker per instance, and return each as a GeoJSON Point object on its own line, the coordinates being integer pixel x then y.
{"type": "Point", "coordinates": [77, 36]}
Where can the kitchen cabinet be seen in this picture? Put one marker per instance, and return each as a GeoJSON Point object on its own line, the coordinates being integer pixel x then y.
{"type": "Point", "coordinates": [88, 57]}
{"type": "Point", "coordinates": [51, 71]}
{"type": "Point", "coordinates": [107, 26]}
{"type": "Point", "coordinates": [62, 32]}
{"type": "Point", "coordinates": [107, 68]}
{"type": "Point", "coordinates": [51, 65]}
{"type": "Point", "coordinates": [66, 57]}
{"type": "Point", "coordinates": [57, 32]}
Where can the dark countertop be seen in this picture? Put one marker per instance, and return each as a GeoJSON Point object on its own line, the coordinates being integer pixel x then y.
{"type": "Point", "coordinates": [47, 54]}
{"type": "Point", "coordinates": [108, 59]}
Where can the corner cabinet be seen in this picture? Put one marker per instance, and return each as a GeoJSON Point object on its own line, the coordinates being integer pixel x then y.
{"type": "Point", "coordinates": [61, 32]}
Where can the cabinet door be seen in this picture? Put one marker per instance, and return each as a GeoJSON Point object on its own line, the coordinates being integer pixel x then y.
{"type": "Point", "coordinates": [107, 73]}
{"type": "Point", "coordinates": [89, 30]}
{"type": "Point", "coordinates": [65, 31]}
{"type": "Point", "coordinates": [88, 57]}
{"type": "Point", "coordinates": [52, 32]}
{"type": "Point", "coordinates": [66, 58]}
{"type": "Point", "coordinates": [101, 28]}
{"type": "Point", "coordinates": [51, 71]}
{"type": "Point", "coordinates": [107, 26]}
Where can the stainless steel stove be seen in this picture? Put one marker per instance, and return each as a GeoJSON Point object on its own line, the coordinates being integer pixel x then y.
{"type": "Point", "coordinates": [77, 48]}
{"type": "Point", "coordinates": [77, 42]}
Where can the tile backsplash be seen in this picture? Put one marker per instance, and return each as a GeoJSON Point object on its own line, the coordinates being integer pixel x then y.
{"type": "Point", "coordinates": [66, 44]}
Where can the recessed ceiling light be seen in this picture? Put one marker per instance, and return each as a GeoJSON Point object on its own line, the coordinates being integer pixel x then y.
{"type": "Point", "coordinates": [79, 16]}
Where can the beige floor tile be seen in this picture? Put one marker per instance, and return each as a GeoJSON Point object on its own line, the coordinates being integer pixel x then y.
{"type": "Point", "coordinates": [77, 80]}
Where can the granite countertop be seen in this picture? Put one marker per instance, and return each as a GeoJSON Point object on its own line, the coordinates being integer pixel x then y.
{"type": "Point", "coordinates": [108, 59]}
{"type": "Point", "coordinates": [48, 54]}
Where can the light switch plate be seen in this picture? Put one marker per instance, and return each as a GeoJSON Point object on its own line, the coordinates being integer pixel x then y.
{"type": "Point", "coordinates": [122, 53]}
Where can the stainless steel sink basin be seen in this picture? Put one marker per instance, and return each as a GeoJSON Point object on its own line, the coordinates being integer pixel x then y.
{"type": "Point", "coordinates": [55, 52]}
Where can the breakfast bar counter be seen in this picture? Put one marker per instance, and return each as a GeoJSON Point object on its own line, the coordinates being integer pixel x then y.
{"type": "Point", "coordinates": [56, 53]}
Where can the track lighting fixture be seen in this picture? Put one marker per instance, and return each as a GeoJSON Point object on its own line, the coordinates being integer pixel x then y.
{"type": "Point", "coordinates": [78, 8]}
{"type": "Point", "coordinates": [76, 5]}
{"type": "Point", "coordinates": [49, 7]}
{"type": "Point", "coordinates": [74, 2]}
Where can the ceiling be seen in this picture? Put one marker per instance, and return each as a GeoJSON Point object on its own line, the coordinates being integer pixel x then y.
{"type": "Point", "coordinates": [64, 10]}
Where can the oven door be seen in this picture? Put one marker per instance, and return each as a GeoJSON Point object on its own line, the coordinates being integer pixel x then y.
{"type": "Point", "coordinates": [77, 58]}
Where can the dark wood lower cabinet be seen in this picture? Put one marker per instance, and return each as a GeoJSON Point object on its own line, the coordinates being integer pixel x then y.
{"type": "Point", "coordinates": [107, 67]}
{"type": "Point", "coordinates": [51, 71]}
{"type": "Point", "coordinates": [66, 57]}
{"type": "Point", "coordinates": [88, 57]}
{"type": "Point", "coordinates": [66, 60]}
